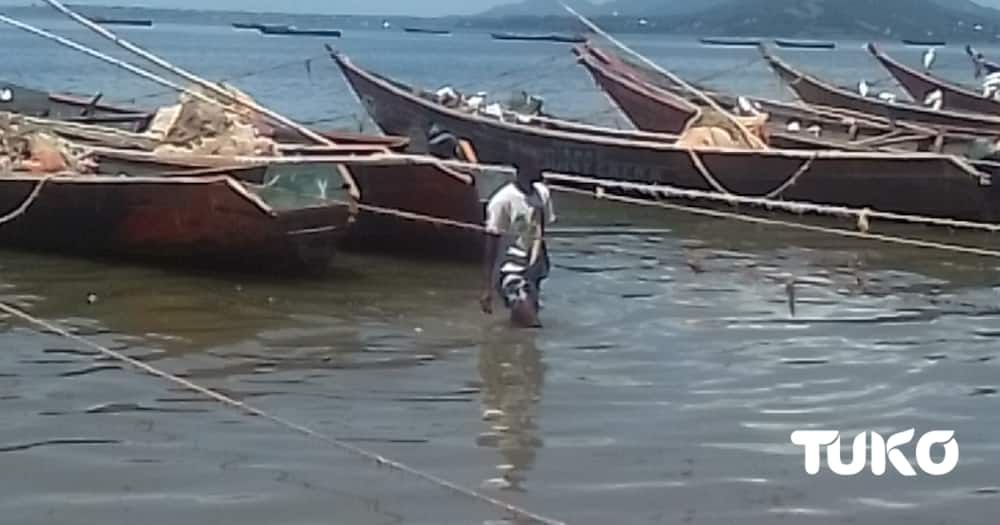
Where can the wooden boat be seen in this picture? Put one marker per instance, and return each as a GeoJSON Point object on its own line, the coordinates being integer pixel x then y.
{"type": "Point", "coordinates": [654, 103]}
{"type": "Point", "coordinates": [804, 44]}
{"type": "Point", "coordinates": [923, 42]}
{"type": "Point", "coordinates": [918, 183]}
{"type": "Point", "coordinates": [814, 91]}
{"type": "Point", "coordinates": [73, 108]}
{"type": "Point", "coordinates": [425, 31]}
{"type": "Point", "coordinates": [426, 189]}
{"type": "Point", "coordinates": [244, 25]}
{"type": "Point", "coordinates": [134, 22]}
{"type": "Point", "coordinates": [549, 37]}
{"type": "Point", "coordinates": [921, 85]}
{"type": "Point", "coordinates": [294, 31]}
{"type": "Point", "coordinates": [212, 222]}
{"type": "Point", "coordinates": [730, 41]}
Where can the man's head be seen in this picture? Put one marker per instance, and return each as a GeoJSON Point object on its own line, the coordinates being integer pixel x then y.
{"type": "Point", "coordinates": [529, 169]}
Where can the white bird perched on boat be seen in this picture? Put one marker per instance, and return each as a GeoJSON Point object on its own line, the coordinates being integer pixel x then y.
{"type": "Point", "coordinates": [475, 101]}
{"type": "Point", "coordinates": [746, 107]}
{"type": "Point", "coordinates": [793, 126]}
{"type": "Point", "coordinates": [885, 96]}
{"type": "Point", "coordinates": [863, 88]}
{"type": "Point", "coordinates": [929, 58]}
{"type": "Point", "coordinates": [934, 99]}
{"type": "Point", "coordinates": [990, 84]}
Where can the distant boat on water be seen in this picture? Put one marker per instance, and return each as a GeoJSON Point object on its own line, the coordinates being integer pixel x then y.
{"type": "Point", "coordinates": [242, 25]}
{"type": "Point", "coordinates": [294, 31]}
{"type": "Point", "coordinates": [135, 22]}
{"type": "Point", "coordinates": [732, 42]}
{"type": "Point", "coordinates": [425, 31]}
{"type": "Point", "coordinates": [551, 37]}
{"type": "Point", "coordinates": [924, 42]}
{"type": "Point", "coordinates": [804, 44]}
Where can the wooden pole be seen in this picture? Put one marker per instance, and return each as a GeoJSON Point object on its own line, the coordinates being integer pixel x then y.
{"type": "Point", "coordinates": [750, 137]}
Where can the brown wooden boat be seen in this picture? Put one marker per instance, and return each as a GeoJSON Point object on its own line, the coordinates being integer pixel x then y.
{"type": "Point", "coordinates": [73, 108]}
{"type": "Point", "coordinates": [213, 222]}
{"type": "Point", "coordinates": [920, 86]}
{"type": "Point", "coordinates": [425, 189]}
{"type": "Point", "coordinates": [659, 107]}
{"type": "Point", "coordinates": [918, 183]}
{"type": "Point", "coordinates": [814, 91]}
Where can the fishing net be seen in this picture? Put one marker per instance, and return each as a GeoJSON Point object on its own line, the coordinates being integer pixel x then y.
{"type": "Point", "coordinates": [194, 126]}
{"type": "Point", "coordinates": [28, 147]}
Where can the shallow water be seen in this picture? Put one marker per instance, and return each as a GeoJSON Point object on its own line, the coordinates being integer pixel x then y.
{"type": "Point", "coordinates": [663, 388]}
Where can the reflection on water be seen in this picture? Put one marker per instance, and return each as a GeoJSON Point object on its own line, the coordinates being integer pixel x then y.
{"type": "Point", "coordinates": [512, 372]}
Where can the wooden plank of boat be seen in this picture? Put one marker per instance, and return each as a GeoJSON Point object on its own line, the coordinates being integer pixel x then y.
{"type": "Point", "coordinates": [917, 183]}
{"type": "Point", "coordinates": [788, 43]}
{"type": "Point", "coordinates": [815, 91]}
{"type": "Point", "coordinates": [650, 101]}
{"type": "Point", "coordinates": [921, 86]}
{"type": "Point", "coordinates": [192, 221]}
{"type": "Point", "coordinates": [547, 37]}
{"type": "Point", "coordinates": [730, 41]}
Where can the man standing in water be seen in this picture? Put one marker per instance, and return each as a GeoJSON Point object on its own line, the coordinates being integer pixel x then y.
{"type": "Point", "coordinates": [516, 260]}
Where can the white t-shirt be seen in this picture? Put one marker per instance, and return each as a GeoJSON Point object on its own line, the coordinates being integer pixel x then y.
{"type": "Point", "coordinates": [520, 218]}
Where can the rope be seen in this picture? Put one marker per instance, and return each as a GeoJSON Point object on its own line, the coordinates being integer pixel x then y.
{"type": "Point", "coordinates": [238, 76]}
{"type": "Point", "coordinates": [379, 460]}
{"type": "Point", "coordinates": [599, 194]}
{"type": "Point", "coordinates": [726, 71]}
{"type": "Point", "coordinates": [793, 179]}
{"type": "Point", "coordinates": [789, 206]}
{"type": "Point", "coordinates": [705, 174]}
{"type": "Point", "coordinates": [27, 202]}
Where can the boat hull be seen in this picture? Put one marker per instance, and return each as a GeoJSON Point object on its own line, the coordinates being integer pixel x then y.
{"type": "Point", "coordinates": [919, 85]}
{"type": "Point", "coordinates": [924, 184]}
{"type": "Point", "coordinates": [197, 222]}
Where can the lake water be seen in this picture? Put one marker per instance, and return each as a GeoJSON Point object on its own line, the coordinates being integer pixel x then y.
{"type": "Point", "coordinates": [655, 394]}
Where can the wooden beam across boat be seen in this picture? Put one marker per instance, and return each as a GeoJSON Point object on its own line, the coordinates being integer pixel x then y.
{"type": "Point", "coordinates": [916, 183]}
{"type": "Point", "coordinates": [921, 85]}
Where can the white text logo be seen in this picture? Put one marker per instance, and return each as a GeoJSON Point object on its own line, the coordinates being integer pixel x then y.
{"type": "Point", "coordinates": [883, 452]}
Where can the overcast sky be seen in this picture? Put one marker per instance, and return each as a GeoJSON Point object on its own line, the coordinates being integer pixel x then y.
{"type": "Point", "coordinates": [375, 7]}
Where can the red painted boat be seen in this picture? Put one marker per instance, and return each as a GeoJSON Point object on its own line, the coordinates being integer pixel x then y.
{"type": "Point", "coordinates": [925, 184]}
{"type": "Point", "coordinates": [659, 107]}
{"type": "Point", "coordinates": [922, 85]}
{"type": "Point", "coordinates": [213, 222]}
{"type": "Point", "coordinates": [814, 91]}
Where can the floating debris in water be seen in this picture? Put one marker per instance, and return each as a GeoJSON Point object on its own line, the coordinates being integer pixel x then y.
{"type": "Point", "coordinates": [492, 414]}
{"type": "Point", "coordinates": [418, 330]}
{"type": "Point", "coordinates": [496, 483]}
{"type": "Point", "coordinates": [501, 428]}
{"type": "Point", "coordinates": [91, 298]}
{"type": "Point", "coordinates": [790, 292]}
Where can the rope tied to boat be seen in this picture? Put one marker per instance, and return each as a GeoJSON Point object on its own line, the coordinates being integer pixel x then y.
{"type": "Point", "coordinates": [223, 399]}
{"type": "Point", "coordinates": [22, 208]}
{"type": "Point", "coordinates": [599, 193]}
{"type": "Point", "coordinates": [717, 186]}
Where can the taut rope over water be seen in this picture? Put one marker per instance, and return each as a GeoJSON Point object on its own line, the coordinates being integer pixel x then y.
{"type": "Point", "coordinates": [290, 425]}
